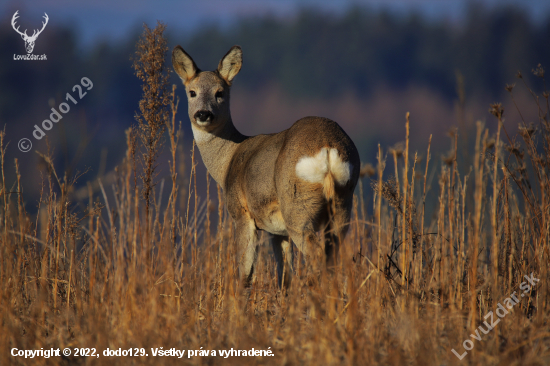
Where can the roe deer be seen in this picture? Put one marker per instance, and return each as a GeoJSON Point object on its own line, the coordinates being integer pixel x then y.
{"type": "Point", "coordinates": [290, 184]}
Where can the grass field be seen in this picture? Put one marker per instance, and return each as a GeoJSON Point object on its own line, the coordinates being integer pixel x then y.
{"type": "Point", "coordinates": [134, 270]}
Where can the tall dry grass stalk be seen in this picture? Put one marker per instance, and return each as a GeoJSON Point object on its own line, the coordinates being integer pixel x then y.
{"type": "Point", "coordinates": [411, 286]}
{"type": "Point", "coordinates": [153, 116]}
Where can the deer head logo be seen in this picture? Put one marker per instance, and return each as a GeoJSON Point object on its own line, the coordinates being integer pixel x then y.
{"type": "Point", "coordinates": [29, 41]}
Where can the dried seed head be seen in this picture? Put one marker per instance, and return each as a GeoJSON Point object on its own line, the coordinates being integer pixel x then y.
{"type": "Point", "coordinates": [519, 76]}
{"type": "Point", "coordinates": [527, 131]}
{"type": "Point", "coordinates": [522, 169]}
{"type": "Point", "coordinates": [490, 143]}
{"type": "Point", "coordinates": [539, 71]}
{"type": "Point", "coordinates": [367, 170]}
{"type": "Point", "coordinates": [449, 158]}
{"type": "Point", "coordinates": [509, 87]}
{"type": "Point", "coordinates": [514, 149]}
{"type": "Point", "coordinates": [389, 192]}
{"type": "Point", "coordinates": [496, 110]}
{"type": "Point", "coordinates": [452, 132]}
{"type": "Point", "coordinates": [397, 149]}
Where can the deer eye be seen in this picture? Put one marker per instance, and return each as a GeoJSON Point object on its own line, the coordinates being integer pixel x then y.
{"type": "Point", "coordinates": [192, 94]}
{"type": "Point", "coordinates": [219, 94]}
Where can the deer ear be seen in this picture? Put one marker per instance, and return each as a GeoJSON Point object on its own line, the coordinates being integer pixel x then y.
{"type": "Point", "coordinates": [184, 65]}
{"type": "Point", "coordinates": [230, 64]}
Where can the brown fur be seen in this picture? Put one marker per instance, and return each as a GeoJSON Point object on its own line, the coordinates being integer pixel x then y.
{"type": "Point", "coordinates": [328, 187]}
{"type": "Point", "coordinates": [258, 173]}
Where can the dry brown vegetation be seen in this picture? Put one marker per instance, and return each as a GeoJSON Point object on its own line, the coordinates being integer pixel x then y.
{"type": "Point", "coordinates": [133, 270]}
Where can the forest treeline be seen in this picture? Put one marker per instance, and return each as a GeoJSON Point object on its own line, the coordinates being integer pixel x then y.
{"type": "Point", "coordinates": [317, 54]}
{"type": "Point", "coordinates": [311, 55]}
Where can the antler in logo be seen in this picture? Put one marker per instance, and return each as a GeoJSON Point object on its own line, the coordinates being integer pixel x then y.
{"type": "Point", "coordinates": [29, 41]}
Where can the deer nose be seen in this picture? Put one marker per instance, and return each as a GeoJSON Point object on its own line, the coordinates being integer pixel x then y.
{"type": "Point", "coordinates": [204, 116]}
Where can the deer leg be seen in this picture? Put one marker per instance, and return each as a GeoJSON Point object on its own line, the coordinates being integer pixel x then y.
{"type": "Point", "coordinates": [332, 246]}
{"type": "Point", "coordinates": [284, 257]}
{"type": "Point", "coordinates": [247, 242]}
{"type": "Point", "coordinates": [308, 243]}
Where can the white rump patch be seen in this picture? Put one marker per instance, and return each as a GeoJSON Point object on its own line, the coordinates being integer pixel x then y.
{"type": "Point", "coordinates": [341, 170]}
{"type": "Point", "coordinates": [314, 168]}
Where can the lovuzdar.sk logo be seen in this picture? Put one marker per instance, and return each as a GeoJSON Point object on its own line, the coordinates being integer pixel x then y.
{"type": "Point", "coordinates": [29, 40]}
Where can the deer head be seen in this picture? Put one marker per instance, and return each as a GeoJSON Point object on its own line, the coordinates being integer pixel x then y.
{"type": "Point", "coordinates": [29, 41]}
{"type": "Point", "coordinates": [208, 91]}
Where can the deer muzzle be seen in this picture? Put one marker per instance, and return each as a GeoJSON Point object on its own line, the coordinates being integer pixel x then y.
{"type": "Point", "coordinates": [203, 117]}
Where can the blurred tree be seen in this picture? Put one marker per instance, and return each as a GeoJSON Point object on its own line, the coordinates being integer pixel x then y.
{"type": "Point", "coordinates": [311, 55]}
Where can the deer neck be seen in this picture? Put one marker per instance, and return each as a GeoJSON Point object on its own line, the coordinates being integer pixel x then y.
{"type": "Point", "coordinates": [217, 148]}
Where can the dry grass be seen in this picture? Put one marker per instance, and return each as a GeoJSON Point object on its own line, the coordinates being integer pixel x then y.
{"type": "Point", "coordinates": [408, 288]}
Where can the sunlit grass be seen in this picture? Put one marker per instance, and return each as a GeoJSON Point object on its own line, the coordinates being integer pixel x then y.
{"type": "Point", "coordinates": [408, 288]}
